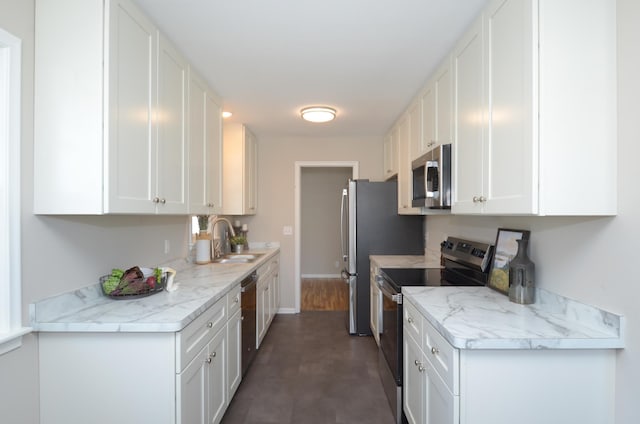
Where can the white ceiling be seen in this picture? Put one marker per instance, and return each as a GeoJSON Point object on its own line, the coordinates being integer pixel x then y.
{"type": "Point", "coordinates": [269, 58]}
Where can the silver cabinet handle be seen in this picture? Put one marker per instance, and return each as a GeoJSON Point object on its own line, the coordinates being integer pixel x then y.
{"type": "Point", "coordinates": [210, 324]}
{"type": "Point", "coordinates": [213, 355]}
{"type": "Point", "coordinates": [236, 300]}
{"type": "Point", "coordinates": [156, 200]}
{"type": "Point", "coordinates": [410, 320]}
{"type": "Point", "coordinates": [421, 368]}
{"type": "Point", "coordinates": [416, 362]}
{"type": "Point", "coordinates": [208, 360]}
{"type": "Point", "coordinates": [163, 200]}
{"type": "Point", "coordinates": [435, 350]}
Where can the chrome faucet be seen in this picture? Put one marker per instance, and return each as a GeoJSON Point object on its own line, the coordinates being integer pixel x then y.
{"type": "Point", "coordinates": [221, 248]}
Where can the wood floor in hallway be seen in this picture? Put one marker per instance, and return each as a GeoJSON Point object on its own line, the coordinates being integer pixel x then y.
{"type": "Point", "coordinates": [309, 370]}
{"type": "Point", "coordinates": [324, 294]}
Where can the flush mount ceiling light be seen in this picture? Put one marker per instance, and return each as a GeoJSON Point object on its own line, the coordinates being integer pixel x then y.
{"type": "Point", "coordinates": [226, 114]}
{"type": "Point", "coordinates": [318, 114]}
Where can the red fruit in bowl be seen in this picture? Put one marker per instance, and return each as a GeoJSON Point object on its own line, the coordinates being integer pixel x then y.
{"type": "Point", "coordinates": [151, 282]}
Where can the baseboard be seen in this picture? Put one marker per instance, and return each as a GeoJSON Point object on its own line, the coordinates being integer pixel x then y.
{"type": "Point", "coordinates": [320, 276]}
{"type": "Point", "coordinates": [287, 311]}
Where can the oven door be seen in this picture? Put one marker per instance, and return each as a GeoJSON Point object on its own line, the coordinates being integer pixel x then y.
{"type": "Point", "coordinates": [391, 329]}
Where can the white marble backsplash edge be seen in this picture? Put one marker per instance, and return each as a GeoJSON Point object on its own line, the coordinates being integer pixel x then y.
{"type": "Point", "coordinates": [572, 310]}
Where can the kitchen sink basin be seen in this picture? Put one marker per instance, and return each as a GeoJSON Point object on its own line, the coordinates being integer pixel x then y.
{"type": "Point", "coordinates": [237, 258]}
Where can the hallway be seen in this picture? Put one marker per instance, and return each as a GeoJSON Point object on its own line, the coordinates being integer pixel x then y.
{"type": "Point", "coordinates": [309, 370]}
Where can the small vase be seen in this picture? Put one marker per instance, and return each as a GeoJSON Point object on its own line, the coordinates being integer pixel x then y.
{"type": "Point", "coordinates": [203, 248]}
{"type": "Point", "coordinates": [238, 248]}
{"type": "Point", "coordinates": [522, 276]}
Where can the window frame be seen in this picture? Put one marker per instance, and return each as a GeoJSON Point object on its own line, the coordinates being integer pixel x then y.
{"type": "Point", "coordinates": [11, 329]}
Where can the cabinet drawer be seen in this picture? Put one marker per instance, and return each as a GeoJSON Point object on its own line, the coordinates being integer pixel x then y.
{"type": "Point", "coordinates": [233, 300]}
{"type": "Point", "coordinates": [412, 321]}
{"type": "Point", "coordinates": [196, 335]}
{"type": "Point", "coordinates": [443, 357]}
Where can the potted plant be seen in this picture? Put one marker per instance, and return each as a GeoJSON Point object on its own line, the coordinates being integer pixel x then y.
{"type": "Point", "coordinates": [238, 243]}
{"type": "Point", "coordinates": [203, 223]}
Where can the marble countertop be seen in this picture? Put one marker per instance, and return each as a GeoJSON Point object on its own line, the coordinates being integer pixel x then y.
{"type": "Point", "coordinates": [482, 318]}
{"type": "Point", "coordinates": [198, 287]}
{"type": "Point", "coordinates": [429, 260]}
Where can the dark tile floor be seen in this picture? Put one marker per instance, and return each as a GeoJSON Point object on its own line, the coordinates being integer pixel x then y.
{"type": "Point", "coordinates": [309, 370]}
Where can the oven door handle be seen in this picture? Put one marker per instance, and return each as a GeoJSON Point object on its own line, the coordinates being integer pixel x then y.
{"type": "Point", "coordinates": [395, 297]}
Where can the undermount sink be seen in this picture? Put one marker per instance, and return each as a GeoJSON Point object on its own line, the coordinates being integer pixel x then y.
{"type": "Point", "coordinates": [237, 258]}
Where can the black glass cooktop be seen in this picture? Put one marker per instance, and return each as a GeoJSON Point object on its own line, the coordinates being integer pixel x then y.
{"type": "Point", "coordinates": [399, 277]}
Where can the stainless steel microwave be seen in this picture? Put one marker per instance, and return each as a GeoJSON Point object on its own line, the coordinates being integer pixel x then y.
{"type": "Point", "coordinates": [431, 175]}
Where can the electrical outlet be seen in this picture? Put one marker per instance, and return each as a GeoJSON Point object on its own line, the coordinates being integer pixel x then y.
{"type": "Point", "coordinates": [167, 247]}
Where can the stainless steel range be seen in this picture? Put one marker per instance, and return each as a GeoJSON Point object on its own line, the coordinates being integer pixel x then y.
{"type": "Point", "coordinates": [465, 263]}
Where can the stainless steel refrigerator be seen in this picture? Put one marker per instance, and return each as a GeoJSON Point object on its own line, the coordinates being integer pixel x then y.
{"type": "Point", "coordinates": [370, 225]}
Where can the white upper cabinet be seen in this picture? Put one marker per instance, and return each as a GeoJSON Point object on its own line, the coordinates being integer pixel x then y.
{"type": "Point", "coordinates": [205, 148]}
{"type": "Point", "coordinates": [110, 112]}
{"type": "Point", "coordinates": [468, 165]}
{"type": "Point", "coordinates": [240, 158]}
{"type": "Point", "coordinates": [391, 154]}
{"type": "Point", "coordinates": [436, 100]}
{"type": "Point", "coordinates": [539, 138]}
{"type": "Point", "coordinates": [405, 183]}
{"type": "Point", "coordinates": [171, 172]}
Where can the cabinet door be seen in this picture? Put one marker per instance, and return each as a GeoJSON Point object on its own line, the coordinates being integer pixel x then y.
{"type": "Point", "coordinates": [171, 171]}
{"type": "Point", "coordinates": [262, 310]}
{"type": "Point", "coordinates": [414, 380]}
{"type": "Point", "coordinates": [510, 142]}
{"type": "Point", "coordinates": [444, 103]}
{"type": "Point", "coordinates": [428, 139]}
{"type": "Point", "coordinates": [216, 376]}
{"type": "Point", "coordinates": [251, 174]}
{"type": "Point", "coordinates": [441, 407]}
{"type": "Point", "coordinates": [234, 353]}
{"type": "Point", "coordinates": [192, 397]}
{"type": "Point", "coordinates": [205, 148]}
{"type": "Point", "coordinates": [405, 186]}
{"type": "Point", "coordinates": [131, 158]}
{"type": "Point", "coordinates": [374, 312]}
{"type": "Point", "coordinates": [213, 152]}
{"type": "Point", "coordinates": [391, 154]}
{"type": "Point", "coordinates": [468, 122]}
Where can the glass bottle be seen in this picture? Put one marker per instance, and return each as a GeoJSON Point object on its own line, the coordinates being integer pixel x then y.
{"type": "Point", "coordinates": [521, 276]}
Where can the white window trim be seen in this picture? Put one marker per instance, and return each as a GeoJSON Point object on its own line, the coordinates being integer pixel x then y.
{"type": "Point", "coordinates": [11, 329]}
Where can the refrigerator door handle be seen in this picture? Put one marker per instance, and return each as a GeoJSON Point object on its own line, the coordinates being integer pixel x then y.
{"type": "Point", "coordinates": [342, 224]}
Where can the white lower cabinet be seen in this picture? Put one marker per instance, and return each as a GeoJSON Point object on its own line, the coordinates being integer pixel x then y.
{"type": "Point", "coordinates": [202, 395]}
{"type": "Point", "coordinates": [446, 385]}
{"type": "Point", "coordinates": [184, 377]}
{"type": "Point", "coordinates": [375, 302]}
{"type": "Point", "coordinates": [268, 297]}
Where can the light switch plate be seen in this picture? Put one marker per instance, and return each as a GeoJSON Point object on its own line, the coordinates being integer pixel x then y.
{"type": "Point", "coordinates": [287, 230]}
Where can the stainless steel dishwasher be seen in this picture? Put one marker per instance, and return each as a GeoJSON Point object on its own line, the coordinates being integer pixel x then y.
{"type": "Point", "coordinates": [248, 319]}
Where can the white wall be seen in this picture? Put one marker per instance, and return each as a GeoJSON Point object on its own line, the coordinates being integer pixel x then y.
{"type": "Point", "coordinates": [591, 259]}
{"type": "Point", "coordinates": [320, 220]}
{"type": "Point", "coordinates": [276, 195]}
{"type": "Point", "coordinates": [64, 253]}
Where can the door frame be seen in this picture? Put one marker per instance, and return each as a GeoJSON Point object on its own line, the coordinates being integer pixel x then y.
{"type": "Point", "coordinates": [299, 165]}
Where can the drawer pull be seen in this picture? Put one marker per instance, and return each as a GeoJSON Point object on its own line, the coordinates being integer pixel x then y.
{"type": "Point", "coordinates": [435, 350]}
{"type": "Point", "coordinates": [410, 320]}
{"type": "Point", "coordinates": [208, 360]}
{"type": "Point", "coordinates": [416, 362]}
{"type": "Point", "coordinates": [236, 300]}
{"type": "Point", "coordinates": [213, 355]}
{"type": "Point", "coordinates": [210, 324]}
{"type": "Point", "coordinates": [421, 368]}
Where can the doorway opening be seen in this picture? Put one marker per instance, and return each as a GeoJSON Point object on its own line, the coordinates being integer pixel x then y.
{"type": "Point", "coordinates": [317, 260]}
